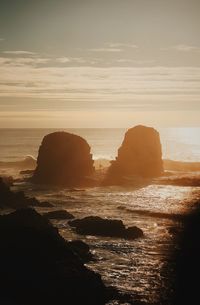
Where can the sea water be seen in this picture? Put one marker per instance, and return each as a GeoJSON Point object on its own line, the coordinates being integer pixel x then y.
{"type": "Point", "coordinates": [140, 267]}
{"type": "Point", "coordinates": [177, 143]}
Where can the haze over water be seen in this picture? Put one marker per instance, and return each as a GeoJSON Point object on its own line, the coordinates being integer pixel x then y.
{"type": "Point", "coordinates": [177, 143]}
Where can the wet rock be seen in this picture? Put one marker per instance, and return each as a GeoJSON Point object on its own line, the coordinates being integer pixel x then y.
{"type": "Point", "coordinates": [17, 200]}
{"type": "Point", "coordinates": [63, 159]}
{"type": "Point", "coordinates": [39, 267]}
{"type": "Point", "coordinates": [81, 249]}
{"type": "Point", "coordinates": [59, 214]}
{"type": "Point", "coordinates": [133, 232]}
{"type": "Point", "coordinates": [140, 156]}
{"type": "Point", "coordinates": [33, 202]}
{"type": "Point", "coordinates": [94, 225]}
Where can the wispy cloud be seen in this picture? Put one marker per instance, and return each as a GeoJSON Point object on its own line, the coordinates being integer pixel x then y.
{"type": "Point", "coordinates": [182, 48]}
{"type": "Point", "coordinates": [114, 47]}
{"type": "Point", "coordinates": [108, 49]}
{"type": "Point", "coordinates": [79, 60]}
{"type": "Point", "coordinates": [21, 61]}
{"type": "Point", "coordinates": [63, 60]}
{"type": "Point", "coordinates": [102, 87]}
{"type": "Point", "coordinates": [134, 62]}
{"type": "Point", "coordinates": [123, 45]}
{"type": "Point", "coordinates": [19, 52]}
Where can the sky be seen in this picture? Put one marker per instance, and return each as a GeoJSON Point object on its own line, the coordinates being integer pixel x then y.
{"type": "Point", "coordinates": [92, 63]}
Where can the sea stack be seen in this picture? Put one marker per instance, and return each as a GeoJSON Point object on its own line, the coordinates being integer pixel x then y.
{"type": "Point", "coordinates": [140, 155]}
{"type": "Point", "coordinates": [63, 159]}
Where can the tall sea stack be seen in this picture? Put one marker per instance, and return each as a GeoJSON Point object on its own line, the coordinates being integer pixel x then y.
{"type": "Point", "coordinates": [63, 159]}
{"type": "Point", "coordinates": [140, 155]}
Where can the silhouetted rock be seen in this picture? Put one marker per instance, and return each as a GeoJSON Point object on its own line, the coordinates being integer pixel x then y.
{"type": "Point", "coordinates": [82, 249]}
{"type": "Point", "coordinates": [17, 200]}
{"type": "Point", "coordinates": [39, 267]}
{"type": "Point", "coordinates": [140, 155]}
{"type": "Point", "coordinates": [63, 159]}
{"type": "Point", "coordinates": [94, 225]}
{"type": "Point", "coordinates": [59, 214]}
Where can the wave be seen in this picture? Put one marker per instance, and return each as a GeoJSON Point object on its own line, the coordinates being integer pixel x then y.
{"type": "Point", "coordinates": [154, 214]}
{"type": "Point", "coordinates": [29, 162]}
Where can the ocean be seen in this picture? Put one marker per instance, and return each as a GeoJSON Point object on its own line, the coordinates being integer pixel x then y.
{"type": "Point", "coordinates": [177, 143]}
{"type": "Point", "coordinates": [140, 267]}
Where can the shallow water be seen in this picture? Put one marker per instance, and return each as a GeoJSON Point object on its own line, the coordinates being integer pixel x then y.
{"type": "Point", "coordinates": [136, 267]}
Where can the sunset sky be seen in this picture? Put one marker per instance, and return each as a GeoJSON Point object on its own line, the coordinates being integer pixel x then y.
{"type": "Point", "coordinates": [99, 63]}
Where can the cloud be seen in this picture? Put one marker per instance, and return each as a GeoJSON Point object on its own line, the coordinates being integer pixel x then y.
{"type": "Point", "coordinates": [114, 47]}
{"type": "Point", "coordinates": [63, 60]}
{"type": "Point", "coordinates": [21, 61]}
{"type": "Point", "coordinates": [19, 52]}
{"type": "Point", "coordinates": [134, 62]}
{"type": "Point", "coordinates": [182, 48]}
{"type": "Point", "coordinates": [105, 50]}
{"type": "Point", "coordinates": [123, 45]}
{"type": "Point", "coordinates": [90, 87]}
{"type": "Point", "coordinates": [79, 60]}
{"type": "Point", "coordinates": [2, 39]}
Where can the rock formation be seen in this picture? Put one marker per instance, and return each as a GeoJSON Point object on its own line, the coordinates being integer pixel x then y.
{"type": "Point", "coordinates": [39, 267]}
{"type": "Point", "coordinates": [140, 155]}
{"type": "Point", "coordinates": [94, 225]}
{"type": "Point", "coordinates": [17, 200]}
{"type": "Point", "coordinates": [63, 159]}
{"type": "Point", "coordinates": [58, 214]}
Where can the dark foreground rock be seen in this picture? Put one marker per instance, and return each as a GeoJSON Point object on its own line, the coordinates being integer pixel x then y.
{"type": "Point", "coordinates": [94, 225]}
{"type": "Point", "coordinates": [17, 200]}
{"type": "Point", "coordinates": [140, 155]}
{"type": "Point", "coordinates": [186, 260]}
{"type": "Point", "coordinates": [59, 214]}
{"type": "Point", "coordinates": [63, 159]}
{"type": "Point", "coordinates": [39, 267]}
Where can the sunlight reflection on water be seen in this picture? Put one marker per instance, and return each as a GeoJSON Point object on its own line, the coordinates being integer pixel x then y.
{"type": "Point", "coordinates": [131, 266]}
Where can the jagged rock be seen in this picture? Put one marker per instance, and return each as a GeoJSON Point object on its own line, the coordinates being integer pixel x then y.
{"type": "Point", "coordinates": [17, 200]}
{"type": "Point", "coordinates": [63, 159]}
{"type": "Point", "coordinates": [140, 155]}
{"type": "Point", "coordinates": [94, 225]}
{"type": "Point", "coordinates": [39, 267]}
{"type": "Point", "coordinates": [59, 214]}
{"type": "Point", "coordinates": [82, 249]}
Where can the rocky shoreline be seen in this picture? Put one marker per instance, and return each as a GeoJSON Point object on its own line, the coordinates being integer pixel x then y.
{"type": "Point", "coordinates": [39, 266]}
